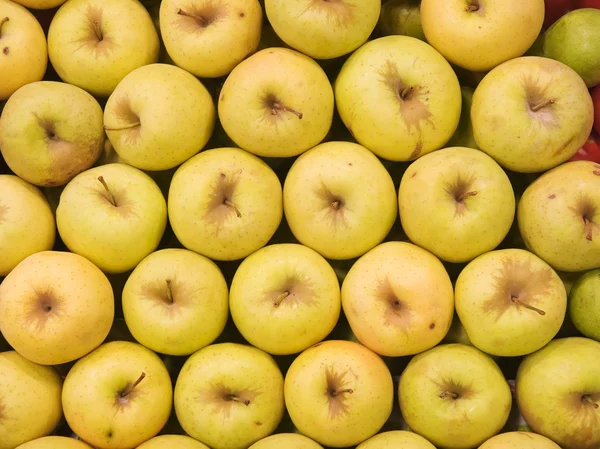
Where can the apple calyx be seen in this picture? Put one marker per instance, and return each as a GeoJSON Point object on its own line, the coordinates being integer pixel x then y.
{"type": "Point", "coordinates": [587, 399]}
{"type": "Point", "coordinates": [121, 128]}
{"type": "Point", "coordinates": [170, 299]}
{"type": "Point", "coordinates": [234, 398]}
{"type": "Point", "coordinates": [230, 203]}
{"type": "Point", "coordinates": [111, 197]}
{"type": "Point", "coordinates": [130, 387]}
{"type": "Point", "coordinates": [542, 104]}
{"type": "Point", "coordinates": [516, 300]}
{"type": "Point", "coordinates": [2, 22]}
{"type": "Point", "coordinates": [97, 30]}
{"type": "Point", "coordinates": [280, 298]}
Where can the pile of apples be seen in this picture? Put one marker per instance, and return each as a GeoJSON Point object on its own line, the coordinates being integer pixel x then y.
{"type": "Point", "coordinates": [299, 224]}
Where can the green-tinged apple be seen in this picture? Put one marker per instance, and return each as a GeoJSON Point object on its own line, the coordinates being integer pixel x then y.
{"type": "Point", "coordinates": [208, 38]}
{"type": "Point", "coordinates": [285, 298]}
{"type": "Point", "coordinates": [57, 442]}
{"type": "Point", "coordinates": [468, 32]}
{"type": "Point", "coordinates": [339, 200]}
{"type": "Point", "coordinates": [229, 396]}
{"type": "Point", "coordinates": [102, 208]}
{"type": "Point", "coordinates": [24, 55]}
{"type": "Point", "coordinates": [55, 307]}
{"type": "Point", "coordinates": [395, 439]}
{"type": "Point", "coordinates": [457, 203]}
{"type": "Point", "coordinates": [401, 17]}
{"type": "Point", "coordinates": [455, 396]}
{"type": "Point", "coordinates": [40, 4]}
{"type": "Point", "coordinates": [339, 393]}
{"type": "Point", "coordinates": [510, 302]}
{"type": "Point", "coordinates": [519, 440]}
{"type": "Point", "coordinates": [26, 222]}
{"type": "Point", "coordinates": [584, 304]}
{"type": "Point", "coordinates": [93, 44]}
{"type": "Point", "coordinates": [398, 97]}
{"type": "Point", "coordinates": [559, 216]}
{"type": "Point", "coordinates": [323, 29]}
{"type": "Point", "coordinates": [457, 333]}
{"type": "Point", "coordinates": [398, 299]}
{"type": "Point", "coordinates": [225, 203]}
{"type": "Point", "coordinates": [50, 132]}
{"type": "Point", "coordinates": [173, 442]}
{"type": "Point", "coordinates": [287, 441]}
{"type": "Point", "coordinates": [276, 103]}
{"type": "Point", "coordinates": [30, 403]}
{"type": "Point", "coordinates": [463, 136]}
{"type": "Point", "coordinates": [143, 117]}
{"type": "Point", "coordinates": [175, 301]}
{"type": "Point", "coordinates": [558, 392]}
{"type": "Point", "coordinates": [531, 113]}
{"type": "Point", "coordinates": [118, 396]}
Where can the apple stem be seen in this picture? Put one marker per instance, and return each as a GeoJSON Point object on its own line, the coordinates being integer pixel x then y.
{"type": "Point", "coordinates": [589, 229]}
{"type": "Point", "coordinates": [130, 388]}
{"type": "Point", "coordinates": [228, 203]}
{"type": "Point", "coordinates": [448, 394]}
{"type": "Point", "coordinates": [169, 292]}
{"type": "Point", "coordinates": [466, 195]}
{"type": "Point", "coordinates": [203, 21]}
{"type": "Point", "coordinates": [336, 205]}
{"type": "Point", "coordinates": [587, 398]}
{"type": "Point", "coordinates": [406, 92]}
{"type": "Point", "coordinates": [543, 104]}
{"type": "Point", "coordinates": [527, 306]}
{"type": "Point", "coordinates": [234, 398]}
{"type": "Point", "coordinates": [2, 22]}
{"type": "Point", "coordinates": [472, 8]}
{"type": "Point", "coordinates": [111, 198]}
{"type": "Point", "coordinates": [280, 298]}
{"type": "Point", "coordinates": [336, 393]}
{"type": "Point", "coordinates": [121, 128]}
{"type": "Point", "coordinates": [98, 30]}
{"type": "Point", "coordinates": [278, 106]}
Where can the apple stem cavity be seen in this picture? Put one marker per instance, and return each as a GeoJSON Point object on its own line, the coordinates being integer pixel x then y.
{"type": "Point", "coordinates": [127, 391]}
{"type": "Point", "coordinates": [170, 299]}
{"type": "Point", "coordinates": [111, 197]}
{"type": "Point", "coordinates": [543, 104]}
{"type": "Point", "coordinates": [98, 30]}
{"type": "Point", "coordinates": [277, 106]}
{"type": "Point", "coordinates": [586, 398]}
{"type": "Point", "coordinates": [527, 306]}
{"type": "Point", "coordinates": [121, 128]}
{"type": "Point", "coordinates": [2, 22]}
{"type": "Point", "coordinates": [280, 298]}
{"type": "Point", "coordinates": [228, 203]}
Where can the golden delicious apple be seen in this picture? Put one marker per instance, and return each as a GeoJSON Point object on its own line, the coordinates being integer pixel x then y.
{"type": "Point", "coordinates": [55, 307]}
{"type": "Point", "coordinates": [24, 53]}
{"type": "Point", "coordinates": [30, 404]}
{"type": "Point", "coordinates": [173, 442]}
{"type": "Point", "coordinates": [398, 97]}
{"type": "Point", "coordinates": [558, 392]}
{"type": "Point", "coordinates": [285, 298]}
{"type": "Point", "coordinates": [102, 208]}
{"type": "Point", "coordinates": [531, 113]}
{"type": "Point", "coordinates": [396, 439]}
{"type": "Point", "coordinates": [229, 396]}
{"type": "Point", "coordinates": [584, 304]}
{"type": "Point", "coordinates": [519, 440]}
{"type": "Point", "coordinates": [559, 216]}
{"type": "Point", "coordinates": [26, 222]}
{"type": "Point", "coordinates": [40, 4]}
{"type": "Point", "coordinates": [56, 442]}
{"type": "Point", "coordinates": [323, 29]}
{"type": "Point", "coordinates": [208, 38]}
{"type": "Point", "coordinates": [339, 393]}
{"type": "Point", "coordinates": [287, 441]}
{"type": "Point", "coordinates": [175, 302]}
{"type": "Point", "coordinates": [50, 132]}
{"type": "Point", "coordinates": [457, 203]}
{"type": "Point", "coordinates": [398, 299]}
{"type": "Point", "coordinates": [225, 203]}
{"type": "Point", "coordinates": [93, 44]}
{"type": "Point", "coordinates": [276, 103]}
{"type": "Point", "coordinates": [480, 34]}
{"type": "Point", "coordinates": [339, 200]}
{"type": "Point", "coordinates": [455, 396]}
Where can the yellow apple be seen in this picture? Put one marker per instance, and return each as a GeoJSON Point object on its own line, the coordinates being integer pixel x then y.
{"type": "Point", "coordinates": [172, 442]}
{"type": "Point", "coordinates": [40, 4]}
{"type": "Point", "coordinates": [55, 442]}
{"type": "Point", "coordinates": [519, 440]}
{"type": "Point", "coordinates": [287, 441]}
{"type": "Point", "coordinates": [396, 439]}
{"type": "Point", "coordinates": [55, 307]}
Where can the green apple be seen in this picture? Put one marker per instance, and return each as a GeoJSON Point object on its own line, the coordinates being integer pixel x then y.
{"type": "Point", "coordinates": [30, 404]}
{"type": "Point", "coordinates": [276, 103]}
{"type": "Point", "coordinates": [395, 439]}
{"type": "Point", "coordinates": [398, 97]}
{"type": "Point", "coordinates": [61, 127]}
{"type": "Point", "coordinates": [584, 304]}
{"type": "Point", "coordinates": [457, 332]}
{"type": "Point", "coordinates": [339, 393]}
{"type": "Point", "coordinates": [455, 396]}
{"type": "Point", "coordinates": [285, 298]}
{"type": "Point", "coordinates": [172, 442]}
{"type": "Point", "coordinates": [531, 113]}
{"type": "Point", "coordinates": [55, 307]}
{"type": "Point", "coordinates": [287, 441]}
{"type": "Point", "coordinates": [93, 44]}
{"type": "Point", "coordinates": [463, 136]}
{"type": "Point", "coordinates": [558, 392]}
{"type": "Point", "coordinates": [519, 440]}
{"type": "Point", "coordinates": [398, 299]}
{"type": "Point", "coordinates": [143, 117]}
{"type": "Point", "coordinates": [229, 396]}
{"type": "Point", "coordinates": [208, 38]}
{"type": "Point", "coordinates": [339, 200]}
{"type": "Point", "coordinates": [101, 208]}
{"type": "Point", "coordinates": [480, 34]}
{"type": "Point", "coordinates": [559, 216]}
{"type": "Point", "coordinates": [457, 203]}
{"type": "Point", "coordinates": [175, 302]}
{"type": "Point", "coordinates": [323, 29]}
{"type": "Point", "coordinates": [401, 17]}
{"type": "Point", "coordinates": [26, 222]}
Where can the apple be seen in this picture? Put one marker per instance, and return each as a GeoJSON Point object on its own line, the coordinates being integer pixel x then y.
{"type": "Point", "coordinates": [26, 222]}
{"type": "Point", "coordinates": [395, 439]}
{"type": "Point", "coordinates": [469, 32]}
{"type": "Point", "coordinates": [93, 44]}
{"type": "Point", "coordinates": [323, 29]}
{"type": "Point", "coordinates": [61, 127]}
{"type": "Point", "coordinates": [285, 298]}
{"type": "Point", "coordinates": [596, 99]}
{"type": "Point", "coordinates": [457, 203]}
{"type": "Point", "coordinates": [207, 38]}
{"type": "Point", "coordinates": [229, 396]}
{"type": "Point", "coordinates": [101, 208]}
{"type": "Point", "coordinates": [584, 304]}
{"type": "Point", "coordinates": [558, 392]}
{"type": "Point", "coordinates": [40, 4]}
{"type": "Point", "coordinates": [173, 441]}
{"type": "Point", "coordinates": [276, 103]}
{"type": "Point", "coordinates": [457, 332]}
{"type": "Point", "coordinates": [118, 396]}
{"type": "Point", "coordinates": [147, 131]}
{"type": "Point", "coordinates": [590, 151]}
{"type": "Point", "coordinates": [463, 136]}
{"type": "Point", "coordinates": [56, 442]}
{"type": "Point", "coordinates": [339, 393]}
{"type": "Point", "coordinates": [401, 17]}
{"type": "Point", "coordinates": [225, 203]}
{"type": "Point", "coordinates": [339, 200]}
{"type": "Point", "coordinates": [559, 216]}
{"type": "Point", "coordinates": [555, 9]}
{"type": "Point", "coordinates": [55, 307]}
{"type": "Point", "coordinates": [287, 441]}
{"type": "Point", "coordinates": [175, 301]}
{"type": "Point", "coordinates": [398, 97]}
{"type": "Point", "coordinates": [523, 440]}
{"type": "Point", "coordinates": [30, 405]}
{"type": "Point", "coordinates": [24, 51]}
{"type": "Point", "coordinates": [531, 114]}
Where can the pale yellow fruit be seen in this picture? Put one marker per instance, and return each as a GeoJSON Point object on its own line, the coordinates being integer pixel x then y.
{"type": "Point", "coordinates": [55, 442]}
{"type": "Point", "coordinates": [172, 442]}
{"type": "Point", "coordinates": [519, 440]}
{"type": "Point", "coordinates": [396, 439]}
{"type": "Point", "coordinates": [287, 441]}
{"type": "Point", "coordinates": [40, 4]}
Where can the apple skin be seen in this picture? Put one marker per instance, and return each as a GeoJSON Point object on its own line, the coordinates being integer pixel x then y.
{"type": "Point", "coordinates": [519, 440]}
{"type": "Point", "coordinates": [401, 17]}
{"type": "Point", "coordinates": [56, 442]}
{"type": "Point", "coordinates": [395, 439]}
{"type": "Point", "coordinates": [463, 136]}
{"type": "Point", "coordinates": [40, 4]}
{"type": "Point", "coordinates": [590, 151]}
{"type": "Point", "coordinates": [584, 304]}
{"type": "Point", "coordinates": [287, 441]}
{"type": "Point", "coordinates": [172, 441]}
{"type": "Point", "coordinates": [596, 100]}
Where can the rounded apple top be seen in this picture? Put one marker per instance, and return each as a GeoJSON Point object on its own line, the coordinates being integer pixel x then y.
{"type": "Point", "coordinates": [287, 441]}
{"type": "Point", "coordinates": [171, 442]}
{"type": "Point", "coordinates": [395, 439]}
{"type": "Point", "coordinates": [519, 440]}
{"type": "Point", "coordinates": [584, 304]}
{"type": "Point", "coordinates": [56, 442]}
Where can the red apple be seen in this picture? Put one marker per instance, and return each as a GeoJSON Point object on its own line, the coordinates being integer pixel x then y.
{"type": "Point", "coordinates": [596, 100]}
{"type": "Point", "coordinates": [555, 9]}
{"type": "Point", "coordinates": [587, 4]}
{"type": "Point", "coordinates": [590, 150]}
